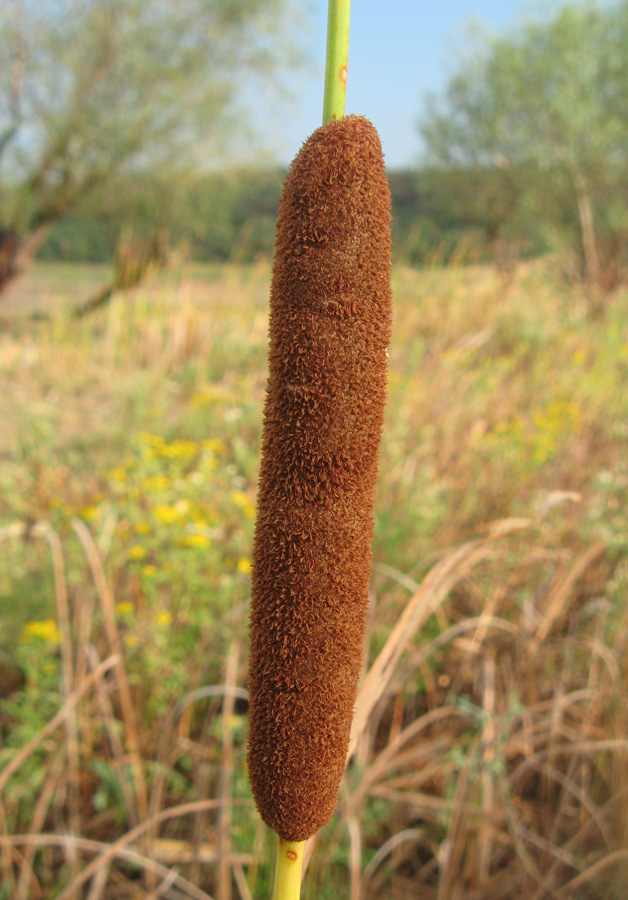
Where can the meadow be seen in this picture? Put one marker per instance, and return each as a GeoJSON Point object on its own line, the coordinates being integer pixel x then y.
{"type": "Point", "coordinates": [489, 757]}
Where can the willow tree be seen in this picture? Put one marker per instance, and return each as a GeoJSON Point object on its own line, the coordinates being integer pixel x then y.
{"type": "Point", "coordinates": [89, 88]}
{"type": "Point", "coordinates": [551, 102]}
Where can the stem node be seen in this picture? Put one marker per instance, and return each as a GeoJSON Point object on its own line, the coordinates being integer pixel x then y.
{"type": "Point", "coordinates": [288, 870]}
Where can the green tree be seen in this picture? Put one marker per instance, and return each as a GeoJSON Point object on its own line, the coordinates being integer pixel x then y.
{"type": "Point", "coordinates": [91, 88]}
{"type": "Point", "coordinates": [552, 103]}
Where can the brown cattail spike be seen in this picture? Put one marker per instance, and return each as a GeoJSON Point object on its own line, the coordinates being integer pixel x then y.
{"type": "Point", "coordinates": [330, 319]}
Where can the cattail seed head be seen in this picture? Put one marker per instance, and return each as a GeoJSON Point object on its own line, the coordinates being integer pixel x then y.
{"type": "Point", "coordinates": [330, 319]}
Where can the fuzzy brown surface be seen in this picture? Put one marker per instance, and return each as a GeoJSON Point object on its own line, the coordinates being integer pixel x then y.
{"type": "Point", "coordinates": [330, 319]}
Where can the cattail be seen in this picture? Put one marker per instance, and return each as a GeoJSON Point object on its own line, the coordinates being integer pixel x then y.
{"type": "Point", "coordinates": [330, 319]}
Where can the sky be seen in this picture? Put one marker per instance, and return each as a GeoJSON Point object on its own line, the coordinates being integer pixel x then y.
{"type": "Point", "coordinates": [399, 51]}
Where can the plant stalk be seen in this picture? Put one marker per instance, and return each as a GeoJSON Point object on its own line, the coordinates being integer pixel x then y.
{"type": "Point", "coordinates": [337, 60]}
{"type": "Point", "coordinates": [288, 870]}
{"type": "Point", "coordinates": [289, 867]}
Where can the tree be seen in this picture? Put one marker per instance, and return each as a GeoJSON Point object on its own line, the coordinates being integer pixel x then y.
{"type": "Point", "coordinates": [552, 103]}
{"type": "Point", "coordinates": [90, 88]}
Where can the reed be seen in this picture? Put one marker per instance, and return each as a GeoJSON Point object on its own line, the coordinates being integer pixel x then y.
{"type": "Point", "coordinates": [330, 321]}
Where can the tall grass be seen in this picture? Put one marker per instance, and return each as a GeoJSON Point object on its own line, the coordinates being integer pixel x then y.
{"type": "Point", "coordinates": [489, 752]}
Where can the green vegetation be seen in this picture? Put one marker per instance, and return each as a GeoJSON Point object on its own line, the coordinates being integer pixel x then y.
{"type": "Point", "coordinates": [489, 754]}
{"type": "Point", "coordinates": [525, 150]}
{"type": "Point", "coordinates": [494, 759]}
{"type": "Point", "coordinates": [549, 104]}
{"type": "Point", "coordinates": [337, 59]}
{"type": "Point", "coordinates": [525, 155]}
{"type": "Point", "coordinates": [438, 216]}
{"type": "Point", "coordinates": [220, 216]}
{"type": "Point", "coordinates": [103, 87]}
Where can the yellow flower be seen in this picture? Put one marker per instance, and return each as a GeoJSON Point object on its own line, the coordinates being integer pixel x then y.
{"type": "Point", "coordinates": [156, 483]}
{"type": "Point", "coordinates": [119, 474]}
{"type": "Point", "coordinates": [45, 630]}
{"type": "Point", "coordinates": [244, 566]}
{"type": "Point", "coordinates": [166, 515]}
{"type": "Point", "coordinates": [154, 440]}
{"type": "Point", "coordinates": [88, 513]}
{"type": "Point", "coordinates": [131, 640]}
{"type": "Point", "coordinates": [148, 571]}
{"type": "Point", "coordinates": [214, 445]}
{"type": "Point", "coordinates": [142, 528]}
{"type": "Point", "coordinates": [199, 399]}
{"type": "Point", "coordinates": [163, 618]}
{"type": "Point", "coordinates": [195, 540]}
{"type": "Point", "coordinates": [199, 520]}
{"type": "Point", "coordinates": [124, 607]}
{"type": "Point", "coordinates": [209, 393]}
{"type": "Point", "coordinates": [179, 449]}
{"type": "Point", "coordinates": [137, 552]}
{"type": "Point", "coordinates": [244, 502]}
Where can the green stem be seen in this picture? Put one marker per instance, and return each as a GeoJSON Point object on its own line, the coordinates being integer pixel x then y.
{"type": "Point", "coordinates": [288, 870]}
{"type": "Point", "coordinates": [337, 60]}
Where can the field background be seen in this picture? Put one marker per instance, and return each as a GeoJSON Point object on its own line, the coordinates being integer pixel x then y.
{"type": "Point", "coordinates": [490, 760]}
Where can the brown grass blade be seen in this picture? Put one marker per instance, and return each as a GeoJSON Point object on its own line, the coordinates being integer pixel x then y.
{"type": "Point", "coordinates": [168, 732]}
{"type": "Point", "coordinates": [407, 835]}
{"type": "Point", "coordinates": [258, 848]}
{"type": "Point", "coordinates": [485, 835]}
{"type": "Point", "coordinates": [98, 885]}
{"type": "Point", "coordinates": [113, 636]}
{"type": "Point", "coordinates": [563, 593]}
{"type": "Point", "coordinates": [240, 880]}
{"type": "Point", "coordinates": [117, 750]}
{"type": "Point", "coordinates": [434, 588]}
{"type": "Point", "coordinates": [120, 852]}
{"type": "Point", "coordinates": [12, 767]}
{"type": "Point", "coordinates": [454, 846]}
{"type": "Point", "coordinates": [37, 821]}
{"type": "Point", "coordinates": [71, 724]}
{"type": "Point", "coordinates": [426, 600]}
{"type": "Point", "coordinates": [111, 851]}
{"type": "Point", "coordinates": [175, 852]}
{"type": "Point", "coordinates": [355, 857]}
{"type": "Point", "coordinates": [224, 810]}
{"type": "Point", "coordinates": [161, 889]}
{"type": "Point", "coordinates": [387, 758]}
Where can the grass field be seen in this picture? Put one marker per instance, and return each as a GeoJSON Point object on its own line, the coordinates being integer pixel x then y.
{"type": "Point", "coordinates": [489, 762]}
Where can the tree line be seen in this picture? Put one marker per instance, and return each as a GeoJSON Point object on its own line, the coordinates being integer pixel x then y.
{"type": "Point", "coordinates": [108, 108]}
{"type": "Point", "coordinates": [470, 215]}
{"type": "Point", "coordinates": [96, 88]}
{"type": "Point", "coordinates": [548, 104]}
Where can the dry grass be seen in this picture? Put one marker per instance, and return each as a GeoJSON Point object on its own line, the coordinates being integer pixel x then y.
{"type": "Point", "coordinates": [489, 754]}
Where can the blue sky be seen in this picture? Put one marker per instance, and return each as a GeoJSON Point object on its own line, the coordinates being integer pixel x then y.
{"type": "Point", "coordinates": [399, 50]}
